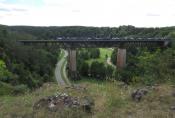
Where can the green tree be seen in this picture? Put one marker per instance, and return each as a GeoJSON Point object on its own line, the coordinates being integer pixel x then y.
{"type": "Point", "coordinates": [114, 57]}
{"type": "Point", "coordinates": [109, 71]}
{"type": "Point", "coordinates": [94, 53]}
{"type": "Point", "coordinates": [98, 70]}
{"type": "Point", "coordinates": [5, 75]}
{"type": "Point", "coordinates": [84, 69]}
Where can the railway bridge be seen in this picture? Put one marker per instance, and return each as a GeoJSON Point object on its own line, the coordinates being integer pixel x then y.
{"type": "Point", "coordinates": [72, 43]}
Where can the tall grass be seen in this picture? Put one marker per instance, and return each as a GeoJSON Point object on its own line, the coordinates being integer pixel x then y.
{"type": "Point", "coordinates": [111, 101]}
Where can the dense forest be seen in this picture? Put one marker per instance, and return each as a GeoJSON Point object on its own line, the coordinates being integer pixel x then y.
{"type": "Point", "coordinates": [80, 31]}
{"type": "Point", "coordinates": [24, 67]}
{"type": "Point", "coordinates": [28, 67]}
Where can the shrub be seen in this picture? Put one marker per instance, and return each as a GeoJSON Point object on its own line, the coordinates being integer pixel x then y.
{"type": "Point", "coordinates": [5, 89]}
{"type": "Point", "coordinates": [98, 70]}
{"type": "Point", "coordinates": [84, 69]}
{"type": "Point", "coordinates": [20, 89]}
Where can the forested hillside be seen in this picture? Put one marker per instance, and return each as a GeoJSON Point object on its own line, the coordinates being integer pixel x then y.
{"type": "Point", "coordinates": [29, 67]}
{"type": "Point", "coordinates": [24, 67]}
{"type": "Point", "coordinates": [80, 31]}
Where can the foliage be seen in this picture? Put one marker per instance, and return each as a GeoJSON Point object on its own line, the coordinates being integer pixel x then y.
{"type": "Point", "coordinates": [20, 89]}
{"type": "Point", "coordinates": [114, 57]}
{"type": "Point", "coordinates": [80, 31]}
{"type": "Point", "coordinates": [30, 66]}
{"type": "Point", "coordinates": [109, 71]}
{"type": "Point", "coordinates": [98, 70]}
{"type": "Point", "coordinates": [4, 73]}
{"type": "Point", "coordinates": [111, 99]}
{"type": "Point", "coordinates": [90, 53]}
{"type": "Point", "coordinates": [84, 69]}
{"type": "Point", "coordinates": [5, 89]}
{"type": "Point", "coordinates": [148, 66]}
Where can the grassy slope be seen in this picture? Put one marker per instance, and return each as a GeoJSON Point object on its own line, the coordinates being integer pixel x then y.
{"type": "Point", "coordinates": [111, 101]}
{"type": "Point", "coordinates": [103, 53]}
{"type": "Point", "coordinates": [5, 89]}
{"type": "Point", "coordinates": [22, 105]}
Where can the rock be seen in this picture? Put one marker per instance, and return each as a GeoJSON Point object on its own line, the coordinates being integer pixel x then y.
{"type": "Point", "coordinates": [63, 100]}
{"type": "Point", "coordinates": [40, 104]}
{"type": "Point", "coordinates": [52, 107]}
{"type": "Point", "coordinates": [123, 85]}
{"type": "Point", "coordinates": [138, 94]}
{"type": "Point", "coordinates": [144, 91]}
{"type": "Point", "coordinates": [172, 107]}
{"type": "Point", "coordinates": [87, 104]}
{"type": "Point", "coordinates": [173, 94]}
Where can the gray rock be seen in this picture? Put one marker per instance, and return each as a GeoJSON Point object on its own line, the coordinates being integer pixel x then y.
{"type": "Point", "coordinates": [138, 94]}
{"type": "Point", "coordinates": [40, 104]}
{"type": "Point", "coordinates": [172, 107]}
{"type": "Point", "coordinates": [87, 104]}
{"type": "Point", "coordinates": [173, 94]}
{"type": "Point", "coordinates": [63, 100]}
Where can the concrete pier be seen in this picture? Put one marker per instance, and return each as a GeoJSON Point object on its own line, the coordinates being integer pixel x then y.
{"type": "Point", "coordinates": [72, 60]}
{"type": "Point", "coordinates": [72, 63]}
{"type": "Point", "coordinates": [121, 58]}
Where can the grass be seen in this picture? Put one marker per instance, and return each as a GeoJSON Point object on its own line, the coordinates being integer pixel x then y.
{"type": "Point", "coordinates": [61, 55]}
{"type": "Point", "coordinates": [5, 89]}
{"type": "Point", "coordinates": [102, 58]}
{"type": "Point", "coordinates": [114, 101]}
{"type": "Point", "coordinates": [111, 101]}
{"type": "Point", "coordinates": [104, 52]}
{"type": "Point", "coordinates": [11, 106]}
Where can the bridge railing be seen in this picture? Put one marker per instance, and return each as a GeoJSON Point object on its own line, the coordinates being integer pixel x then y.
{"type": "Point", "coordinates": [101, 42]}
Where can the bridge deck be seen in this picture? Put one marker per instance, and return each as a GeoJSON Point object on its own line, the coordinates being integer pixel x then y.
{"type": "Point", "coordinates": [101, 42]}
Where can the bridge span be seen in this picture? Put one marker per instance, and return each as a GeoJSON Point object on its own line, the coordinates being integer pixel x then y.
{"type": "Point", "coordinates": [71, 44]}
{"type": "Point", "coordinates": [101, 42]}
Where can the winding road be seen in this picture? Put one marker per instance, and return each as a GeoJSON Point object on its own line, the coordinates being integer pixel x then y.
{"type": "Point", "coordinates": [109, 62]}
{"type": "Point", "coordinates": [59, 71]}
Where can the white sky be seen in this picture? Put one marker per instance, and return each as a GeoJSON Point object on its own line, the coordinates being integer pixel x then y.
{"type": "Point", "coordinates": [113, 13]}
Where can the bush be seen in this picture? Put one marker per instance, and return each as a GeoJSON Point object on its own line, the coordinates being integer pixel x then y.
{"type": "Point", "coordinates": [126, 75]}
{"type": "Point", "coordinates": [94, 53]}
{"type": "Point", "coordinates": [20, 89]}
{"type": "Point", "coordinates": [109, 71]}
{"type": "Point", "coordinates": [5, 75]}
{"type": "Point", "coordinates": [114, 57]}
{"type": "Point", "coordinates": [84, 69]}
{"type": "Point", "coordinates": [98, 70]}
{"type": "Point", "coordinates": [5, 89]}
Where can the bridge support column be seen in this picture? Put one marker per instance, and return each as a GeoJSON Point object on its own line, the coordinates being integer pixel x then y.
{"type": "Point", "coordinates": [121, 58]}
{"type": "Point", "coordinates": [72, 64]}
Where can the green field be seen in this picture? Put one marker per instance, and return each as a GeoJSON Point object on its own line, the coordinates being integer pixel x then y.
{"type": "Point", "coordinates": [103, 53]}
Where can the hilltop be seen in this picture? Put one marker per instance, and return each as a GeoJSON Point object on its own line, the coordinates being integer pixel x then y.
{"type": "Point", "coordinates": [112, 99]}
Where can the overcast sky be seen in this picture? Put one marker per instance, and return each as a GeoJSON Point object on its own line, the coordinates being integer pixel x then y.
{"type": "Point", "coordinates": [113, 13]}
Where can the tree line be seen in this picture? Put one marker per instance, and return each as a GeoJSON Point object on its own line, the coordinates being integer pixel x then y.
{"type": "Point", "coordinates": [80, 31]}
{"type": "Point", "coordinates": [24, 67]}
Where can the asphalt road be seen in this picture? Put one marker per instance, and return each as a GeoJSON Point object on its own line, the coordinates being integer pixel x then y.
{"type": "Point", "coordinates": [58, 76]}
{"type": "Point", "coordinates": [109, 62]}
{"type": "Point", "coordinates": [58, 70]}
